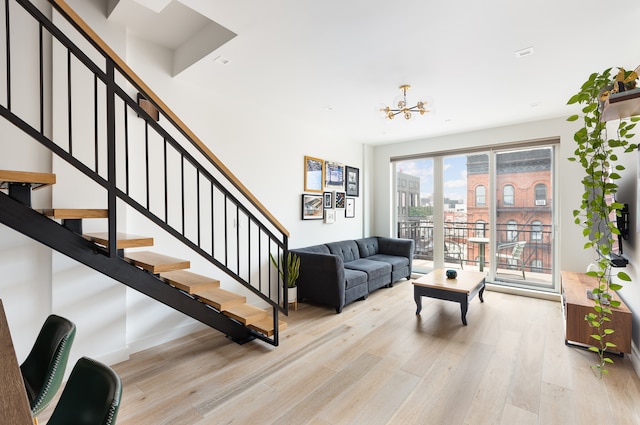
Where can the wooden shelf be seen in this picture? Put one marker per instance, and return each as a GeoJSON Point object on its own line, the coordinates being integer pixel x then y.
{"type": "Point", "coordinates": [622, 107]}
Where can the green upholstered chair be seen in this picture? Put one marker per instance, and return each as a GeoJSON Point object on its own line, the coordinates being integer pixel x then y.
{"type": "Point", "coordinates": [43, 369]}
{"type": "Point", "coordinates": [90, 397]}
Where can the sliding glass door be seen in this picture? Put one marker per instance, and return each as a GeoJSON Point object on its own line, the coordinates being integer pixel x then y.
{"type": "Point", "coordinates": [414, 208]}
{"type": "Point", "coordinates": [523, 238]}
{"type": "Point", "coordinates": [489, 211]}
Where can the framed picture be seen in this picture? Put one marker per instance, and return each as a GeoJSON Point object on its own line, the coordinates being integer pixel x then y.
{"type": "Point", "coordinates": [313, 174]}
{"type": "Point", "coordinates": [339, 200]}
{"type": "Point", "coordinates": [329, 216]}
{"type": "Point", "coordinates": [352, 181]}
{"type": "Point", "coordinates": [311, 207]}
{"type": "Point", "coordinates": [350, 209]}
{"type": "Point", "coordinates": [333, 176]}
{"type": "Point", "coordinates": [328, 201]}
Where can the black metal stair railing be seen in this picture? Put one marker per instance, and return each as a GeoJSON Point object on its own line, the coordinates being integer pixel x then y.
{"type": "Point", "coordinates": [157, 168]}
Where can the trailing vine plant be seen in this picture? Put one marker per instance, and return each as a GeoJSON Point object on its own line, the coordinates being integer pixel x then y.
{"type": "Point", "coordinates": [597, 154]}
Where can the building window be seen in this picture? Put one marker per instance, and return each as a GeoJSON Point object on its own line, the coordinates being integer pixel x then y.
{"type": "Point", "coordinates": [536, 230]}
{"type": "Point", "coordinates": [512, 230]}
{"type": "Point", "coordinates": [541, 194]}
{"type": "Point", "coordinates": [481, 229]}
{"type": "Point", "coordinates": [508, 195]}
{"type": "Point", "coordinates": [481, 196]}
{"type": "Point", "coordinates": [536, 266]}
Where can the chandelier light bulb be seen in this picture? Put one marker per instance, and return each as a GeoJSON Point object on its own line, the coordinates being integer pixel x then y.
{"type": "Point", "coordinates": [403, 109]}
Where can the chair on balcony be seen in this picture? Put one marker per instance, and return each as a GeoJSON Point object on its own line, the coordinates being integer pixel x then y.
{"type": "Point", "coordinates": [453, 250]}
{"type": "Point", "coordinates": [512, 254]}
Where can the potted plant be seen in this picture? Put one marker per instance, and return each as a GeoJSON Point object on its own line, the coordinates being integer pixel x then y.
{"type": "Point", "coordinates": [292, 267]}
{"type": "Point", "coordinates": [597, 153]}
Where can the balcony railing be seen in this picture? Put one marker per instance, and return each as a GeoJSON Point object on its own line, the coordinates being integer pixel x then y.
{"type": "Point", "coordinates": [537, 255]}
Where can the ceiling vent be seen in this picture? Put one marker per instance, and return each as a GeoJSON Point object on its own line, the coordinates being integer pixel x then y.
{"type": "Point", "coordinates": [524, 52]}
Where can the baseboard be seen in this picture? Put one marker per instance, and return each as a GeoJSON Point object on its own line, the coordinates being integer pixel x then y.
{"type": "Point", "coordinates": [164, 337]}
{"type": "Point", "coordinates": [550, 296]}
{"type": "Point", "coordinates": [634, 358]}
{"type": "Point", "coordinates": [114, 357]}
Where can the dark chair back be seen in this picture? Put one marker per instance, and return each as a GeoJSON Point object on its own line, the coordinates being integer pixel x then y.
{"type": "Point", "coordinates": [43, 369]}
{"type": "Point", "coordinates": [91, 396]}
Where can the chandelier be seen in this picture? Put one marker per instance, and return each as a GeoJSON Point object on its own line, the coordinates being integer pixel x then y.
{"type": "Point", "coordinates": [401, 101]}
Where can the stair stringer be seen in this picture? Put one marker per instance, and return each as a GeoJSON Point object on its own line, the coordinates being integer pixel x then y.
{"type": "Point", "coordinates": [34, 225]}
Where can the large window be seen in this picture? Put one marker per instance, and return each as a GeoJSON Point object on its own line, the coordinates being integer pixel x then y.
{"type": "Point", "coordinates": [495, 206]}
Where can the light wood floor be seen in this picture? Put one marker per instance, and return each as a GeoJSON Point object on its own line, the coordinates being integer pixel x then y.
{"type": "Point", "coordinates": [379, 363]}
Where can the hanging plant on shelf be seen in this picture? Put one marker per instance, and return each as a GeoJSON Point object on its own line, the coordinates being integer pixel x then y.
{"type": "Point", "coordinates": [598, 156]}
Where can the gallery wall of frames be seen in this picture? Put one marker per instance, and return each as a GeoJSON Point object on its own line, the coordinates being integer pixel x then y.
{"type": "Point", "coordinates": [330, 189]}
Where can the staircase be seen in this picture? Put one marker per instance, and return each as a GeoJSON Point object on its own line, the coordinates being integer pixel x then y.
{"type": "Point", "coordinates": [166, 270]}
{"type": "Point", "coordinates": [176, 169]}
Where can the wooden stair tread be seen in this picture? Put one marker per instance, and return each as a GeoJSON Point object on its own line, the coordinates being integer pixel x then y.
{"type": "Point", "coordinates": [188, 281]}
{"type": "Point", "coordinates": [156, 263]}
{"type": "Point", "coordinates": [219, 298]}
{"type": "Point", "coordinates": [246, 314]}
{"type": "Point", "coordinates": [124, 240]}
{"type": "Point", "coordinates": [74, 213]}
{"type": "Point", "coordinates": [265, 326]}
{"type": "Point", "coordinates": [36, 180]}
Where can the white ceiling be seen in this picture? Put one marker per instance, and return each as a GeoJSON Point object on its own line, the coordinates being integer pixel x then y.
{"type": "Point", "coordinates": [334, 63]}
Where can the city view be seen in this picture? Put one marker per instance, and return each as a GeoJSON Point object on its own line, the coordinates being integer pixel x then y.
{"type": "Point", "coordinates": [516, 245]}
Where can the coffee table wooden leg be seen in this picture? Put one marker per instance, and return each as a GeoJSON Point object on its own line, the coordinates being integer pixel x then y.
{"type": "Point", "coordinates": [464, 306]}
{"type": "Point", "coordinates": [481, 293]}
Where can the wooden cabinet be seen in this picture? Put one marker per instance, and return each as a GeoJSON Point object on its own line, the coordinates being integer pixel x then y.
{"type": "Point", "coordinates": [576, 305]}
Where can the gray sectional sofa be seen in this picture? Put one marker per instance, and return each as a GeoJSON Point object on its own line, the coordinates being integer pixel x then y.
{"type": "Point", "coordinates": [338, 273]}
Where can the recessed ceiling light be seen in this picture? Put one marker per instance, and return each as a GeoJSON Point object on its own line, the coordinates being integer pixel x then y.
{"type": "Point", "coordinates": [222, 60]}
{"type": "Point", "coordinates": [524, 52]}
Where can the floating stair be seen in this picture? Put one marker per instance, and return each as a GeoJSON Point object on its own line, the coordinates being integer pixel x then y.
{"type": "Point", "coordinates": [27, 178]}
{"type": "Point", "coordinates": [188, 281]}
{"type": "Point", "coordinates": [246, 314]}
{"type": "Point", "coordinates": [74, 213]}
{"type": "Point", "coordinates": [124, 240]}
{"type": "Point", "coordinates": [20, 183]}
{"type": "Point", "coordinates": [72, 218]}
{"type": "Point", "coordinates": [156, 263]}
{"type": "Point", "coordinates": [265, 326]}
{"type": "Point", "coordinates": [220, 299]}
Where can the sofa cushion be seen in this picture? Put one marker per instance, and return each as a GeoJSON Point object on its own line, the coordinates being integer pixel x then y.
{"type": "Point", "coordinates": [348, 250]}
{"type": "Point", "coordinates": [395, 261]}
{"type": "Point", "coordinates": [374, 269]}
{"type": "Point", "coordinates": [354, 278]}
{"type": "Point", "coordinates": [318, 249]}
{"type": "Point", "coordinates": [367, 247]}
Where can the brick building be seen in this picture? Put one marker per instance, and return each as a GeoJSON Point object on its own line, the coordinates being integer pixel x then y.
{"type": "Point", "coordinates": [523, 205]}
